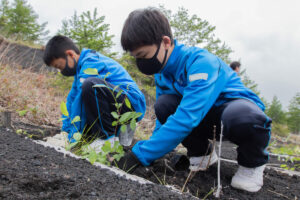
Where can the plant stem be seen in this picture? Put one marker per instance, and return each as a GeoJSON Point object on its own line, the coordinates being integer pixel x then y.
{"type": "Point", "coordinates": [186, 181]}
{"type": "Point", "coordinates": [209, 193]}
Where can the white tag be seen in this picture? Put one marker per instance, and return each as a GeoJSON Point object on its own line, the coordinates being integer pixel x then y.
{"type": "Point", "coordinates": [81, 80]}
{"type": "Point", "coordinates": [199, 76]}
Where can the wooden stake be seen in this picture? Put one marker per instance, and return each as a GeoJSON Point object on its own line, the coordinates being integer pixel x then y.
{"type": "Point", "coordinates": [5, 119]}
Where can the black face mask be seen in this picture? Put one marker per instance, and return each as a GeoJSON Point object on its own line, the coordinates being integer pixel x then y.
{"type": "Point", "coordinates": [67, 71]}
{"type": "Point", "coordinates": [152, 65]}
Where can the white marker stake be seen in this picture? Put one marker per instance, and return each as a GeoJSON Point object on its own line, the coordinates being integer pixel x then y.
{"type": "Point", "coordinates": [217, 194]}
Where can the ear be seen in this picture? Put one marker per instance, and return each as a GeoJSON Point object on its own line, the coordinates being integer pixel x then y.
{"type": "Point", "coordinates": [71, 53]}
{"type": "Point", "coordinates": [167, 42]}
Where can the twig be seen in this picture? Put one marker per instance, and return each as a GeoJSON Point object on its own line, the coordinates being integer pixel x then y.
{"type": "Point", "coordinates": [217, 195]}
{"type": "Point", "coordinates": [186, 181]}
{"type": "Point", "coordinates": [213, 147]}
{"type": "Point", "coordinates": [279, 194]}
{"type": "Point", "coordinates": [157, 178]}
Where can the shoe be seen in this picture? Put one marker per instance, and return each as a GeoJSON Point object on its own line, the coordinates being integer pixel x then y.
{"type": "Point", "coordinates": [97, 144]}
{"type": "Point", "coordinates": [249, 179]}
{"type": "Point", "coordinates": [200, 163]}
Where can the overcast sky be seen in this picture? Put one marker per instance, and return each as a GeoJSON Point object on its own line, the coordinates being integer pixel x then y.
{"type": "Point", "coordinates": [264, 34]}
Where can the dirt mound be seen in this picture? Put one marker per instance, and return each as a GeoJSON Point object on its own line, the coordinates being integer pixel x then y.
{"type": "Point", "coordinates": [14, 54]}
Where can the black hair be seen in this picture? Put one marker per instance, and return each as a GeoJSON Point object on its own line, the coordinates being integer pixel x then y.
{"type": "Point", "coordinates": [144, 27]}
{"type": "Point", "coordinates": [235, 65]}
{"type": "Point", "coordinates": [56, 48]}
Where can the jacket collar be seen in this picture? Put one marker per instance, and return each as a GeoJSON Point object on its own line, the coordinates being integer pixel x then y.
{"type": "Point", "coordinates": [172, 62]}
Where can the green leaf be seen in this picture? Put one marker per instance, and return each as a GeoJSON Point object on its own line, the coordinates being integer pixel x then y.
{"type": "Point", "coordinates": [117, 157]}
{"type": "Point", "coordinates": [92, 157]}
{"type": "Point", "coordinates": [137, 115]}
{"type": "Point", "coordinates": [125, 117]}
{"type": "Point", "coordinates": [120, 150]}
{"type": "Point", "coordinates": [119, 93]}
{"type": "Point", "coordinates": [76, 119]}
{"type": "Point", "coordinates": [63, 109]}
{"type": "Point", "coordinates": [115, 115]}
{"type": "Point", "coordinates": [127, 103]}
{"type": "Point", "coordinates": [85, 149]}
{"type": "Point", "coordinates": [91, 71]}
{"type": "Point", "coordinates": [132, 124]}
{"type": "Point", "coordinates": [118, 105]}
{"type": "Point", "coordinates": [114, 123]}
{"type": "Point", "coordinates": [102, 159]}
{"type": "Point", "coordinates": [22, 112]}
{"type": "Point", "coordinates": [77, 136]}
{"type": "Point", "coordinates": [19, 131]}
{"type": "Point", "coordinates": [123, 128]}
{"type": "Point", "coordinates": [70, 146]}
{"type": "Point", "coordinates": [62, 119]}
{"type": "Point", "coordinates": [106, 147]}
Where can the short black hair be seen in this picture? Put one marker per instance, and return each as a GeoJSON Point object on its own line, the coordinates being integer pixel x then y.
{"type": "Point", "coordinates": [235, 64]}
{"type": "Point", "coordinates": [56, 48]}
{"type": "Point", "coordinates": [145, 27]}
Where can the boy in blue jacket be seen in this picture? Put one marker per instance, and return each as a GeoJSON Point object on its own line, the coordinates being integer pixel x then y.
{"type": "Point", "coordinates": [92, 104]}
{"type": "Point", "coordinates": [195, 91]}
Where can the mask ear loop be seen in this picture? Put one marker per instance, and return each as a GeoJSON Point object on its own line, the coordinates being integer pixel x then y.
{"type": "Point", "coordinates": [75, 63]}
{"type": "Point", "coordinates": [156, 52]}
{"type": "Point", "coordinates": [165, 58]}
{"type": "Point", "coordinates": [67, 64]}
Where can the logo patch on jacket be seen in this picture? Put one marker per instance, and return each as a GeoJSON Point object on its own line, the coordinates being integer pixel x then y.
{"type": "Point", "coordinates": [198, 76]}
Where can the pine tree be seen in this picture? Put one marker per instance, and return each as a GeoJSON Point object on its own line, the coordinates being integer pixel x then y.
{"type": "Point", "coordinates": [275, 111]}
{"type": "Point", "coordinates": [293, 118]}
{"type": "Point", "coordinates": [88, 31]}
{"type": "Point", "coordinates": [4, 9]}
{"type": "Point", "coordinates": [20, 22]}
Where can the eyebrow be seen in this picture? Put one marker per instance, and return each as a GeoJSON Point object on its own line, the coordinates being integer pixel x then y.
{"type": "Point", "coordinates": [139, 53]}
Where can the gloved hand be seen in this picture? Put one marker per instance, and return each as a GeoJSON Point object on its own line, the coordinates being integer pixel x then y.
{"type": "Point", "coordinates": [128, 163]}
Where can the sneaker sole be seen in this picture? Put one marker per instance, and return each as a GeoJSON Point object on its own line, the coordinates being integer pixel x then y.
{"type": "Point", "coordinates": [246, 188]}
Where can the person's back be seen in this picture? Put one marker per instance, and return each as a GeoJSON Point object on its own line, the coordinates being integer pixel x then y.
{"type": "Point", "coordinates": [186, 56]}
{"type": "Point", "coordinates": [92, 104]}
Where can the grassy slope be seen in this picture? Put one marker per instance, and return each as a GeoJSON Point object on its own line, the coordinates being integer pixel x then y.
{"type": "Point", "coordinates": [35, 98]}
{"type": "Point", "coordinates": [35, 95]}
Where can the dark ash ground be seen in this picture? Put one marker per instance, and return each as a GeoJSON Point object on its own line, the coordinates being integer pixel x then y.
{"type": "Point", "coordinates": [31, 171]}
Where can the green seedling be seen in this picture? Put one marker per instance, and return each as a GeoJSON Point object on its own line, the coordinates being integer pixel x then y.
{"type": "Point", "coordinates": [108, 153]}
{"type": "Point", "coordinates": [22, 112]}
{"type": "Point", "coordinates": [24, 132]}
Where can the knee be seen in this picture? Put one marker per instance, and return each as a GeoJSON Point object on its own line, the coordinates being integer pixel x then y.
{"type": "Point", "coordinates": [244, 112]}
{"type": "Point", "coordinates": [87, 86]}
{"type": "Point", "coordinates": [88, 83]}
